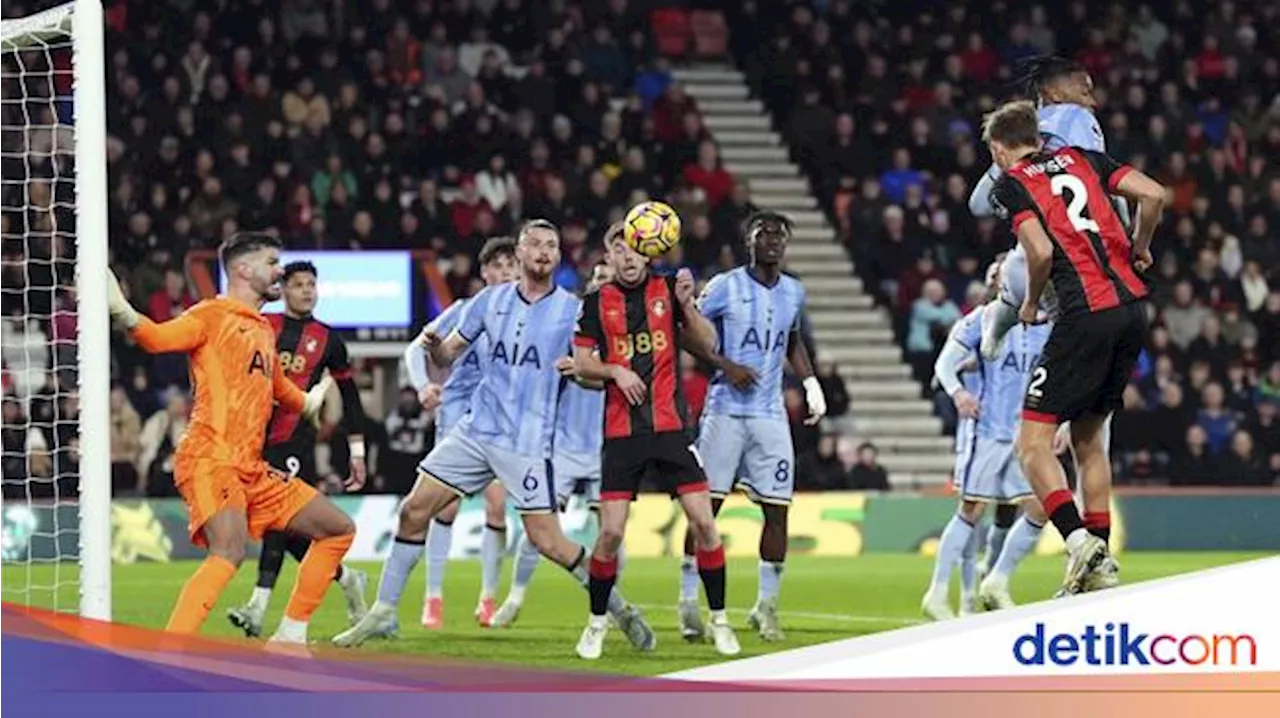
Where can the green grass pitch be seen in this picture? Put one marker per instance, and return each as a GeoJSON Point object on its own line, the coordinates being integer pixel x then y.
{"type": "Point", "coordinates": [823, 599]}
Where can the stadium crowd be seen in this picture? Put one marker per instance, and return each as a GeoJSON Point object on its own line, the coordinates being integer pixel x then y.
{"type": "Point", "coordinates": [434, 124]}
{"type": "Point", "coordinates": [882, 105]}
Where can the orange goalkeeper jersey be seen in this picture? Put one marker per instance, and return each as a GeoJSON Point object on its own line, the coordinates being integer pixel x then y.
{"type": "Point", "coordinates": [235, 374]}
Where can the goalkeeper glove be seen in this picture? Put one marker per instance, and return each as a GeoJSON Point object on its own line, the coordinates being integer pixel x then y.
{"type": "Point", "coordinates": [121, 311]}
{"type": "Point", "coordinates": [315, 400]}
{"type": "Point", "coordinates": [815, 399]}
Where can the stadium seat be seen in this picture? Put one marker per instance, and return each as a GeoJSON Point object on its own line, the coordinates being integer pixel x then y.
{"type": "Point", "coordinates": [671, 31]}
{"type": "Point", "coordinates": [710, 33]}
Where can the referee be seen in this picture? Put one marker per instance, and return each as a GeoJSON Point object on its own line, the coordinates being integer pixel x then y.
{"type": "Point", "coordinates": [305, 347]}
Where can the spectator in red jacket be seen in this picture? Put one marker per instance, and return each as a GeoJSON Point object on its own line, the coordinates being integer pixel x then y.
{"type": "Point", "coordinates": [708, 174]}
{"type": "Point", "coordinates": [170, 300]}
{"type": "Point", "coordinates": [669, 111]}
{"type": "Point", "coordinates": [464, 210]}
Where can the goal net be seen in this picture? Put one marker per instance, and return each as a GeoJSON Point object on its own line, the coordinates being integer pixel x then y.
{"type": "Point", "coordinates": [54, 332]}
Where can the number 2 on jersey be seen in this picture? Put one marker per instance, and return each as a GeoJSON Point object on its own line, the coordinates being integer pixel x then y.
{"type": "Point", "coordinates": [1038, 378]}
{"type": "Point", "coordinates": [1079, 200]}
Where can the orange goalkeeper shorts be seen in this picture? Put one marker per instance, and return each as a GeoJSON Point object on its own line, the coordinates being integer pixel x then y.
{"type": "Point", "coordinates": [269, 498]}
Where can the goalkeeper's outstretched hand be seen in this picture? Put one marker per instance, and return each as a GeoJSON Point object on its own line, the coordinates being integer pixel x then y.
{"type": "Point", "coordinates": [122, 313]}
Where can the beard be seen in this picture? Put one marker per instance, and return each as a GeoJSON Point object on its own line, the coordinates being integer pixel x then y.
{"type": "Point", "coordinates": [269, 291]}
{"type": "Point", "coordinates": [539, 273]}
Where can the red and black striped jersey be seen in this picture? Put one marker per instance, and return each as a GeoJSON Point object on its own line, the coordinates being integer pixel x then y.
{"type": "Point", "coordinates": [305, 348]}
{"type": "Point", "coordinates": [638, 328]}
{"type": "Point", "coordinates": [1069, 192]}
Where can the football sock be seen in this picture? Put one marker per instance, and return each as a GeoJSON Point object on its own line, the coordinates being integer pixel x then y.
{"type": "Point", "coordinates": [996, 536]}
{"type": "Point", "coordinates": [688, 578]}
{"type": "Point", "coordinates": [315, 574]}
{"type": "Point", "coordinates": [711, 570]}
{"type": "Point", "coordinates": [526, 561]}
{"type": "Point", "coordinates": [580, 571]}
{"type": "Point", "coordinates": [1022, 539]}
{"type": "Point", "coordinates": [600, 585]}
{"type": "Point", "coordinates": [291, 630]}
{"type": "Point", "coordinates": [271, 559]}
{"type": "Point", "coordinates": [951, 546]}
{"type": "Point", "coordinates": [298, 547]}
{"type": "Point", "coordinates": [1006, 515]}
{"type": "Point", "coordinates": [492, 546]}
{"type": "Point", "coordinates": [1060, 505]}
{"type": "Point", "coordinates": [770, 579]}
{"type": "Point", "coordinates": [439, 539]}
{"type": "Point", "coordinates": [969, 564]}
{"type": "Point", "coordinates": [404, 555]}
{"type": "Point", "coordinates": [199, 594]}
{"type": "Point", "coordinates": [1099, 524]}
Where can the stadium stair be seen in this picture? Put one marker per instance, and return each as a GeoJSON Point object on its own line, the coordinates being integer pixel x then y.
{"type": "Point", "coordinates": [885, 403]}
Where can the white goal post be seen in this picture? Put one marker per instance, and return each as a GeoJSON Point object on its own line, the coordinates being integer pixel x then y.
{"type": "Point", "coordinates": [29, 47]}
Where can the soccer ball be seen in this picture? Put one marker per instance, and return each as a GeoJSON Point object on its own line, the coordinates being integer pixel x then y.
{"type": "Point", "coordinates": [651, 228]}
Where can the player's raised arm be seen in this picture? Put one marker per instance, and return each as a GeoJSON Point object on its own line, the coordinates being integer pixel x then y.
{"type": "Point", "coordinates": [980, 204]}
{"type": "Point", "coordinates": [181, 334]}
{"type": "Point", "coordinates": [697, 332]}
{"type": "Point", "coordinates": [423, 370]}
{"type": "Point", "coordinates": [444, 350]}
{"type": "Point", "coordinates": [1141, 189]}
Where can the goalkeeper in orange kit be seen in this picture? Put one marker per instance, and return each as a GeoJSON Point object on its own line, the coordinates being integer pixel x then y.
{"type": "Point", "coordinates": [232, 495]}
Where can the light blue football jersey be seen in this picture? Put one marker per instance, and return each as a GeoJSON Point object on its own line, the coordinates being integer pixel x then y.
{"type": "Point", "coordinates": [514, 405]}
{"type": "Point", "coordinates": [1069, 125]}
{"type": "Point", "coordinates": [464, 375]}
{"type": "Point", "coordinates": [754, 323]}
{"type": "Point", "coordinates": [580, 421]}
{"type": "Point", "coordinates": [1004, 381]}
{"type": "Point", "coordinates": [1065, 125]}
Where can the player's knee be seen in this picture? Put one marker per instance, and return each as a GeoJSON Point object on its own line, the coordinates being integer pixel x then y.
{"type": "Point", "coordinates": [542, 535]}
{"type": "Point", "coordinates": [971, 511]}
{"type": "Point", "coordinates": [495, 516]}
{"type": "Point", "coordinates": [448, 513]}
{"type": "Point", "coordinates": [414, 514]}
{"type": "Point", "coordinates": [343, 526]}
{"type": "Point", "coordinates": [230, 550]}
{"type": "Point", "coordinates": [1088, 450]}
